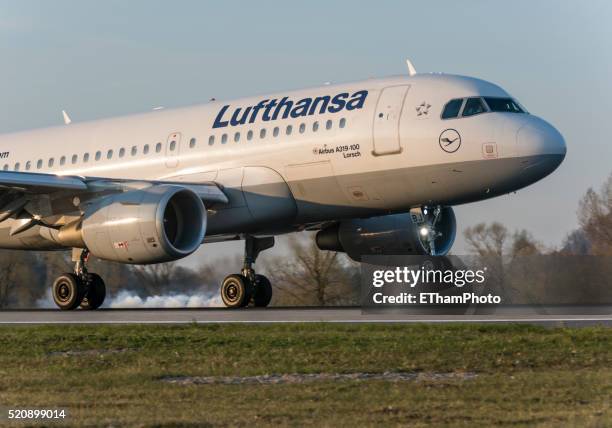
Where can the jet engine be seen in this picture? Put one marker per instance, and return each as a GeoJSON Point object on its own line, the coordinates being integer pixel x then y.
{"type": "Point", "coordinates": [156, 224]}
{"type": "Point", "coordinates": [423, 231]}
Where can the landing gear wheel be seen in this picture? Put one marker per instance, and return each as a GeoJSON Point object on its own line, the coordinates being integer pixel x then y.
{"type": "Point", "coordinates": [96, 292]}
{"type": "Point", "coordinates": [263, 291]}
{"type": "Point", "coordinates": [236, 291]}
{"type": "Point", "coordinates": [68, 291]}
{"type": "Point", "coordinates": [442, 263]}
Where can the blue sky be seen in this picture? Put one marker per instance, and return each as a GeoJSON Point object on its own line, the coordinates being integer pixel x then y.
{"type": "Point", "coordinates": [104, 58]}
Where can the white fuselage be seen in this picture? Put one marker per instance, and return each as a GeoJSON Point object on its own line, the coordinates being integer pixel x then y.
{"type": "Point", "coordinates": [281, 174]}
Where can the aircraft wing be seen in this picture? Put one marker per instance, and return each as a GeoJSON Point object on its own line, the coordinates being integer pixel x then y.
{"type": "Point", "coordinates": [39, 183]}
{"type": "Point", "coordinates": [21, 189]}
{"type": "Point", "coordinates": [33, 184]}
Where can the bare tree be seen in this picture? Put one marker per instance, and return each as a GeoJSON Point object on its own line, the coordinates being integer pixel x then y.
{"type": "Point", "coordinates": [311, 276]}
{"type": "Point", "coordinates": [155, 278]}
{"type": "Point", "coordinates": [524, 244]}
{"type": "Point", "coordinates": [22, 279]}
{"type": "Point", "coordinates": [7, 282]}
{"type": "Point", "coordinates": [576, 243]}
{"type": "Point", "coordinates": [486, 240]}
{"type": "Point", "coordinates": [210, 275]}
{"type": "Point", "coordinates": [595, 218]}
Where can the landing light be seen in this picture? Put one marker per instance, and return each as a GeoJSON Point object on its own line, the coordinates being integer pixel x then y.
{"type": "Point", "coordinates": [424, 231]}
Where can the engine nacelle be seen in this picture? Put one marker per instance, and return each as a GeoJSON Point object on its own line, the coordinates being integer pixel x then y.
{"type": "Point", "coordinates": [157, 224]}
{"type": "Point", "coordinates": [404, 234]}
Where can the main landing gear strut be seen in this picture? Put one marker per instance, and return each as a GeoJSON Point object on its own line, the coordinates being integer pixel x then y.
{"type": "Point", "coordinates": [238, 290]}
{"type": "Point", "coordinates": [81, 288]}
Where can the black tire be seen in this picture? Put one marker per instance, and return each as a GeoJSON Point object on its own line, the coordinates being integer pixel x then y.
{"type": "Point", "coordinates": [67, 291]}
{"type": "Point", "coordinates": [236, 291]}
{"type": "Point", "coordinates": [437, 263]}
{"type": "Point", "coordinates": [95, 294]}
{"type": "Point", "coordinates": [262, 294]}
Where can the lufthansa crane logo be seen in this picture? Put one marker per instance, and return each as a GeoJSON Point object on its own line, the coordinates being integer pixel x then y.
{"type": "Point", "coordinates": [450, 140]}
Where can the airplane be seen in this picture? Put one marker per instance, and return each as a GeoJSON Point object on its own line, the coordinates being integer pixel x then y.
{"type": "Point", "coordinates": [373, 166]}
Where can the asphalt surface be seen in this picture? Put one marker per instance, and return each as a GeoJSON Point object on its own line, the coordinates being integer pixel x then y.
{"type": "Point", "coordinates": [551, 316]}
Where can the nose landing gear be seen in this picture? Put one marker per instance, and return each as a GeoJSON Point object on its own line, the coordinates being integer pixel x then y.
{"type": "Point", "coordinates": [238, 290]}
{"type": "Point", "coordinates": [81, 288]}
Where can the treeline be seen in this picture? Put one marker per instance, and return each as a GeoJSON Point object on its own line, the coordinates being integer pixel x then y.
{"type": "Point", "coordinates": [526, 271]}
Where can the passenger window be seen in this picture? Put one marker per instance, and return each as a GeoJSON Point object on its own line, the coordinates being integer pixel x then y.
{"type": "Point", "coordinates": [145, 149]}
{"type": "Point", "coordinates": [328, 125]}
{"type": "Point", "coordinates": [302, 128]}
{"type": "Point", "coordinates": [249, 135]}
{"type": "Point", "coordinates": [28, 165]}
{"type": "Point", "coordinates": [17, 166]}
{"type": "Point", "coordinates": [192, 143]}
{"type": "Point", "coordinates": [451, 109]}
{"type": "Point", "coordinates": [315, 126]}
{"type": "Point", "coordinates": [98, 155]}
{"type": "Point", "coordinates": [158, 147]}
{"type": "Point", "coordinates": [109, 154]}
{"type": "Point", "coordinates": [5, 167]}
{"type": "Point", "coordinates": [172, 145]}
{"type": "Point", "coordinates": [262, 133]}
{"type": "Point", "coordinates": [62, 160]}
{"type": "Point", "coordinates": [75, 158]}
{"type": "Point", "coordinates": [121, 152]}
{"type": "Point", "coordinates": [276, 131]}
{"type": "Point", "coordinates": [342, 123]}
{"type": "Point", "coordinates": [473, 106]}
{"type": "Point", "coordinates": [134, 150]}
{"type": "Point", "coordinates": [39, 164]}
{"type": "Point", "coordinates": [237, 137]}
{"type": "Point", "coordinates": [211, 140]}
{"type": "Point", "coordinates": [289, 129]}
{"type": "Point", "coordinates": [51, 162]}
{"type": "Point", "coordinates": [224, 139]}
{"type": "Point", "coordinates": [86, 157]}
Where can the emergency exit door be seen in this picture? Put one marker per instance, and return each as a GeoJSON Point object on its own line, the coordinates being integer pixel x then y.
{"type": "Point", "coordinates": [387, 120]}
{"type": "Point", "coordinates": [173, 148]}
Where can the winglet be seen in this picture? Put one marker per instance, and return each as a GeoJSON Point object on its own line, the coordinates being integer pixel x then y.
{"type": "Point", "coordinates": [67, 119]}
{"type": "Point", "coordinates": [411, 70]}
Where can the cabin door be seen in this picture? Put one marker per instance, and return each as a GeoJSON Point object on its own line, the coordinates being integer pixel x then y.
{"type": "Point", "coordinates": [387, 118]}
{"type": "Point", "coordinates": [173, 149]}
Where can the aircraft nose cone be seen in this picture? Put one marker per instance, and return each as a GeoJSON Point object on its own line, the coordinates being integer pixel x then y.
{"type": "Point", "coordinates": [543, 147]}
{"type": "Point", "coordinates": [538, 137]}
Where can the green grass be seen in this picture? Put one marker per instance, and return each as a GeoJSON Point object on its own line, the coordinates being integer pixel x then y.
{"type": "Point", "coordinates": [527, 375]}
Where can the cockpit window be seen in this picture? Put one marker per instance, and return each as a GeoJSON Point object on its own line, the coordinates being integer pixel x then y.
{"type": "Point", "coordinates": [473, 106]}
{"type": "Point", "coordinates": [503, 104]}
{"type": "Point", "coordinates": [451, 109]}
{"type": "Point", "coordinates": [477, 105]}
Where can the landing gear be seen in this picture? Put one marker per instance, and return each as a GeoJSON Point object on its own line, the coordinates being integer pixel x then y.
{"type": "Point", "coordinates": [263, 291]}
{"type": "Point", "coordinates": [238, 290]}
{"type": "Point", "coordinates": [95, 294]}
{"type": "Point", "coordinates": [436, 228]}
{"type": "Point", "coordinates": [81, 288]}
{"type": "Point", "coordinates": [67, 291]}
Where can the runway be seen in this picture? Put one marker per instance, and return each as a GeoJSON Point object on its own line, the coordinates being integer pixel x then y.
{"type": "Point", "coordinates": [555, 316]}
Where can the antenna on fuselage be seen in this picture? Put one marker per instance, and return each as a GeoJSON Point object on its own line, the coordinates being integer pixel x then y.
{"type": "Point", "coordinates": [67, 120]}
{"type": "Point", "coordinates": [411, 70]}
